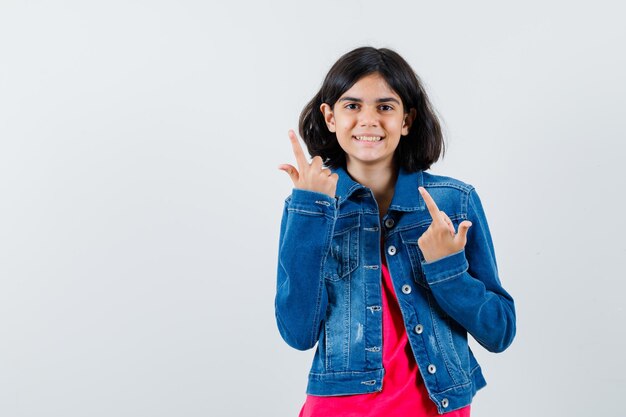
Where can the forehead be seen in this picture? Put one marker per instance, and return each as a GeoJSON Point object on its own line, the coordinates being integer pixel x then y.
{"type": "Point", "coordinates": [371, 86]}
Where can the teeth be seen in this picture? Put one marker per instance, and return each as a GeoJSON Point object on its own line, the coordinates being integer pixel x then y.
{"type": "Point", "coordinates": [369, 138]}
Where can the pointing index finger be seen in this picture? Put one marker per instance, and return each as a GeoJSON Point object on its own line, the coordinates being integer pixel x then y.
{"type": "Point", "coordinates": [430, 203]}
{"type": "Point", "coordinates": [297, 150]}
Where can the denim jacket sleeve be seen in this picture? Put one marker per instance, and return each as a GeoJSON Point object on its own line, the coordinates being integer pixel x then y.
{"type": "Point", "coordinates": [467, 287]}
{"type": "Point", "coordinates": [305, 235]}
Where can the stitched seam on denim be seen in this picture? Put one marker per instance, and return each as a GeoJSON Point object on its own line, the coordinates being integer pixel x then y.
{"type": "Point", "coordinates": [361, 211]}
{"type": "Point", "coordinates": [309, 213]}
{"type": "Point", "coordinates": [427, 351]}
{"type": "Point", "coordinates": [453, 348]}
{"type": "Point", "coordinates": [450, 277]}
{"type": "Point", "coordinates": [297, 210]}
{"type": "Point", "coordinates": [327, 350]}
{"type": "Point", "coordinates": [348, 250]}
{"type": "Point", "coordinates": [340, 373]}
{"type": "Point", "coordinates": [395, 207]}
{"type": "Point", "coordinates": [465, 202]}
{"type": "Point", "coordinates": [324, 203]}
{"type": "Point", "coordinates": [354, 187]}
{"type": "Point", "coordinates": [474, 369]}
{"type": "Point", "coordinates": [397, 229]}
{"type": "Point", "coordinates": [450, 184]}
{"type": "Point", "coordinates": [367, 319]}
{"type": "Point", "coordinates": [346, 228]}
{"type": "Point", "coordinates": [353, 392]}
{"type": "Point", "coordinates": [455, 387]}
{"type": "Point", "coordinates": [444, 355]}
{"type": "Point", "coordinates": [321, 281]}
{"type": "Point", "coordinates": [280, 263]}
{"type": "Point", "coordinates": [341, 214]}
{"type": "Point", "coordinates": [349, 192]}
{"type": "Point", "coordinates": [415, 268]}
{"type": "Point", "coordinates": [347, 322]}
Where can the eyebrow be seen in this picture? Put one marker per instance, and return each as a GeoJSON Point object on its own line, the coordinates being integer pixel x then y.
{"type": "Point", "coordinates": [380, 100]}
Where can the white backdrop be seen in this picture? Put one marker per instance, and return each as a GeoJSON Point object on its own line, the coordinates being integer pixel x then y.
{"type": "Point", "coordinates": [141, 200]}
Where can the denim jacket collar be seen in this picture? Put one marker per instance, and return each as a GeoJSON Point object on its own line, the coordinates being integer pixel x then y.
{"type": "Point", "coordinates": [406, 196]}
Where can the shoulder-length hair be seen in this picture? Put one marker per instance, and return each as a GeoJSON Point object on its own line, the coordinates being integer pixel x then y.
{"type": "Point", "coordinates": [416, 151]}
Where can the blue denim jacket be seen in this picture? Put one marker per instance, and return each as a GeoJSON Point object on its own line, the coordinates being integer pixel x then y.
{"type": "Point", "coordinates": [329, 287]}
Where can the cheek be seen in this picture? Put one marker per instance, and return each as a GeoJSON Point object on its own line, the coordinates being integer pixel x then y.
{"type": "Point", "coordinates": [344, 125]}
{"type": "Point", "coordinates": [397, 124]}
{"type": "Point", "coordinates": [344, 132]}
{"type": "Point", "coordinates": [343, 141]}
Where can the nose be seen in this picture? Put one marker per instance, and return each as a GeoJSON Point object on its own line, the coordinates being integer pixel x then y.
{"type": "Point", "coordinates": [368, 116]}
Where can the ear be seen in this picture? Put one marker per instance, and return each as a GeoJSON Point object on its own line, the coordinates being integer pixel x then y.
{"type": "Point", "coordinates": [408, 121]}
{"type": "Point", "coordinates": [329, 116]}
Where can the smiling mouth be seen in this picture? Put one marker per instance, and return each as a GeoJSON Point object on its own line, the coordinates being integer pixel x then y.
{"type": "Point", "coordinates": [368, 138]}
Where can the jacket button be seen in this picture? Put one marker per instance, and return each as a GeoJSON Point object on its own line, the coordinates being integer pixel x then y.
{"type": "Point", "coordinates": [389, 223]}
{"type": "Point", "coordinates": [444, 403]}
{"type": "Point", "coordinates": [391, 250]}
{"type": "Point", "coordinates": [432, 369]}
{"type": "Point", "coordinates": [406, 288]}
{"type": "Point", "coordinates": [419, 329]}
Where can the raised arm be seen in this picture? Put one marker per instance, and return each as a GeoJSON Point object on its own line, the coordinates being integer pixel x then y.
{"type": "Point", "coordinates": [305, 233]}
{"type": "Point", "coordinates": [466, 284]}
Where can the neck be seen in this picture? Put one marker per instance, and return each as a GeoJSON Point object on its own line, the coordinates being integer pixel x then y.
{"type": "Point", "coordinates": [381, 179]}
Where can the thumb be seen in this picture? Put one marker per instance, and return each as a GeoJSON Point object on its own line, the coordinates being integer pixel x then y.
{"type": "Point", "coordinates": [463, 228]}
{"type": "Point", "coordinates": [291, 170]}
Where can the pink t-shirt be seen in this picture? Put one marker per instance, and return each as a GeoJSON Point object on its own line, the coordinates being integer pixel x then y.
{"type": "Point", "coordinates": [403, 393]}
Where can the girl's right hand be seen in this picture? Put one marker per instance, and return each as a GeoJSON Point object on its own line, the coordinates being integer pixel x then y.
{"type": "Point", "coordinates": [311, 176]}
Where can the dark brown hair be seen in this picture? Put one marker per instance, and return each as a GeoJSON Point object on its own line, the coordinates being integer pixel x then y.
{"type": "Point", "coordinates": [416, 151]}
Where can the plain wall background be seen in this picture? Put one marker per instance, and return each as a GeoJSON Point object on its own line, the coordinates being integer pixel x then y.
{"type": "Point", "coordinates": [140, 199]}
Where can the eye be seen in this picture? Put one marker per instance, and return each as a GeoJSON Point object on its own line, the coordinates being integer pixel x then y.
{"type": "Point", "coordinates": [351, 104]}
{"type": "Point", "coordinates": [388, 106]}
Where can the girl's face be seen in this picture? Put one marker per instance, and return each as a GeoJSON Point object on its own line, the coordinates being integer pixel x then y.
{"type": "Point", "coordinates": [368, 120]}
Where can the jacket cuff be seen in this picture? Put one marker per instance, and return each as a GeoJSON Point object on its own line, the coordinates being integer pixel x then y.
{"type": "Point", "coordinates": [312, 202]}
{"type": "Point", "coordinates": [445, 268]}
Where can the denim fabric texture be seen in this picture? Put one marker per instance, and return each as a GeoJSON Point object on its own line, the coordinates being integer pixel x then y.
{"type": "Point", "coordinates": [329, 287]}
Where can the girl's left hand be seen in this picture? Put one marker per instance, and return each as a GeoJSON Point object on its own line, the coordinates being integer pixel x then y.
{"type": "Point", "coordinates": [440, 239]}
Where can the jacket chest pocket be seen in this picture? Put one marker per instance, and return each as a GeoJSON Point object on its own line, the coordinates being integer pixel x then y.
{"type": "Point", "coordinates": [343, 255]}
{"type": "Point", "coordinates": [416, 257]}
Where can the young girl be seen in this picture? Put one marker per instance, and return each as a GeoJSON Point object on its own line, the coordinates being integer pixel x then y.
{"type": "Point", "coordinates": [385, 266]}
